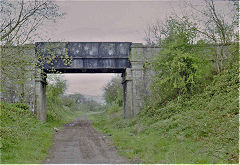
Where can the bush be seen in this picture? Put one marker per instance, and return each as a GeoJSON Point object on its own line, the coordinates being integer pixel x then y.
{"type": "Point", "coordinates": [200, 128]}
{"type": "Point", "coordinates": [113, 91]}
{"type": "Point", "coordinates": [181, 66]}
{"type": "Point", "coordinates": [24, 139]}
{"type": "Point", "coordinates": [22, 106]}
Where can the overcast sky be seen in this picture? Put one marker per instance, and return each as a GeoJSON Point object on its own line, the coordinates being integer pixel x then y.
{"type": "Point", "coordinates": [89, 21]}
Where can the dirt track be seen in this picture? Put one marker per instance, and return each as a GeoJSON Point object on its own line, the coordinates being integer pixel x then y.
{"type": "Point", "coordinates": [79, 143]}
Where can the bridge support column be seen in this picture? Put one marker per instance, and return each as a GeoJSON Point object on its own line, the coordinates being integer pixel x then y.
{"type": "Point", "coordinates": [127, 83]}
{"type": "Point", "coordinates": [138, 86]}
{"type": "Point", "coordinates": [40, 96]}
{"type": "Point", "coordinates": [133, 85]}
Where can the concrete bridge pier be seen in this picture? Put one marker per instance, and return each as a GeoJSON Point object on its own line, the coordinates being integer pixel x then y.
{"type": "Point", "coordinates": [40, 96]}
{"type": "Point", "coordinates": [127, 85]}
{"type": "Point", "coordinates": [133, 83]}
{"type": "Point", "coordinates": [138, 90]}
{"type": "Point", "coordinates": [132, 91]}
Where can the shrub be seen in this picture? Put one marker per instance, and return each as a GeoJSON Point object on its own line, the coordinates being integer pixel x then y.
{"type": "Point", "coordinates": [113, 91]}
{"type": "Point", "coordinates": [22, 106]}
{"type": "Point", "coordinates": [180, 66]}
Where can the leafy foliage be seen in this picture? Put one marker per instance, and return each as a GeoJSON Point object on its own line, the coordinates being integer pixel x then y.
{"type": "Point", "coordinates": [202, 128]}
{"type": "Point", "coordinates": [24, 139]}
{"type": "Point", "coordinates": [113, 91]}
{"type": "Point", "coordinates": [180, 64]}
{"type": "Point", "coordinates": [19, 25]}
{"type": "Point", "coordinates": [193, 114]}
{"type": "Point", "coordinates": [59, 104]}
{"type": "Point", "coordinates": [56, 111]}
{"type": "Point", "coordinates": [16, 66]}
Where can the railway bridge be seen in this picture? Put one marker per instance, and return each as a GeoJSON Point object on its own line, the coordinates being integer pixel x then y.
{"type": "Point", "coordinates": [126, 58]}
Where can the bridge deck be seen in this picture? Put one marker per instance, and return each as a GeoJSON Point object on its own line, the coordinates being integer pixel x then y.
{"type": "Point", "coordinates": [84, 57]}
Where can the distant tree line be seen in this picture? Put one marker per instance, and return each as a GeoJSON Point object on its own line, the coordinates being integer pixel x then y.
{"type": "Point", "coordinates": [80, 102]}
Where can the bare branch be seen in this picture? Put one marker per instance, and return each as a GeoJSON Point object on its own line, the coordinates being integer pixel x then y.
{"type": "Point", "coordinates": [13, 28]}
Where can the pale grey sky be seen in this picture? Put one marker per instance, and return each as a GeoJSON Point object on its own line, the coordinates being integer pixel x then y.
{"type": "Point", "coordinates": [106, 21]}
{"type": "Point", "coordinates": [109, 20]}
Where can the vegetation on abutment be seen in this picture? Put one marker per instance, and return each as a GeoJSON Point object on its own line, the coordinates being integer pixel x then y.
{"type": "Point", "coordinates": [201, 128]}
{"type": "Point", "coordinates": [192, 115]}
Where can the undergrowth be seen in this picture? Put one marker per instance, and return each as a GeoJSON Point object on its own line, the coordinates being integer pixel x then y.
{"type": "Point", "coordinates": [200, 128]}
{"type": "Point", "coordinates": [24, 139]}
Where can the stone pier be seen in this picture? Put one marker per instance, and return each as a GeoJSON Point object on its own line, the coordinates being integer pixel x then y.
{"type": "Point", "coordinates": [137, 79]}
{"type": "Point", "coordinates": [40, 96]}
{"type": "Point", "coordinates": [127, 84]}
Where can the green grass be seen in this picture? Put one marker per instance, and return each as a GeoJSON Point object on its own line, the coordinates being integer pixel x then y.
{"type": "Point", "coordinates": [151, 147]}
{"type": "Point", "coordinates": [203, 128]}
{"type": "Point", "coordinates": [25, 139]}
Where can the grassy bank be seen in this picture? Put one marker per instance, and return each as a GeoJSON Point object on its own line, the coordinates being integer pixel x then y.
{"type": "Point", "coordinates": [202, 128]}
{"type": "Point", "coordinates": [25, 139]}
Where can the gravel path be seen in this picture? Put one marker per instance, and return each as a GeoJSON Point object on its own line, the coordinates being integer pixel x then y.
{"type": "Point", "coordinates": [79, 143]}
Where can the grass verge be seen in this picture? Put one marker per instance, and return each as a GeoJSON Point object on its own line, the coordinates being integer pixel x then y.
{"type": "Point", "coordinates": [25, 139]}
{"type": "Point", "coordinates": [203, 128]}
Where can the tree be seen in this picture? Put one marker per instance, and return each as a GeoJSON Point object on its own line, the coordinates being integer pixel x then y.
{"type": "Point", "coordinates": [113, 91]}
{"type": "Point", "coordinates": [55, 89]}
{"type": "Point", "coordinates": [216, 26]}
{"type": "Point", "coordinates": [219, 27]}
{"type": "Point", "coordinates": [19, 23]}
{"type": "Point", "coordinates": [180, 65]}
{"type": "Point", "coordinates": [20, 19]}
{"type": "Point", "coordinates": [158, 32]}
